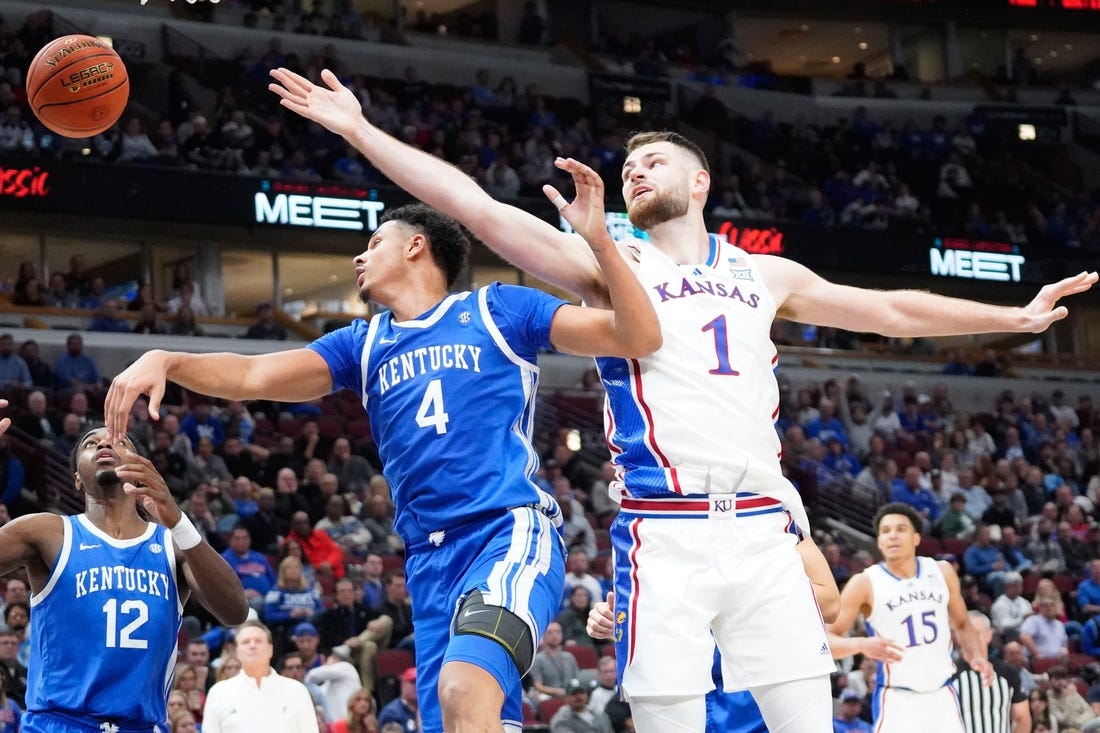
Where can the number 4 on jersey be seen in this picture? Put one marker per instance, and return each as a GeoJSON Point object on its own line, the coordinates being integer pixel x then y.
{"type": "Point", "coordinates": [431, 413]}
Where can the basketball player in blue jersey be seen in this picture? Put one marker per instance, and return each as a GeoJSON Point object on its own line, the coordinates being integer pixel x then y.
{"type": "Point", "coordinates": [108, 590]}
{"type": "Point", "coordinates": [449, 384]}
{"type": "Point", "coordinates": [911, 606]}
{"type": "Point", "coordinates": [691, 426]}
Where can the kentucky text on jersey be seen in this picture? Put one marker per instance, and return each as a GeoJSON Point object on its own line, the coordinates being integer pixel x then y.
{"type": "Point", "coordinates": [419, 362]}
{"type": "Point", "coordinates": [94, 580]}
{"type": "Point", "coordinates": [686, 287]}
{"type": "Point", "coordinates": [916, 595]}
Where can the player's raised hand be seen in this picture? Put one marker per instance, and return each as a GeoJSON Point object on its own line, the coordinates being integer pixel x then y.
{"type": "Point", "coordinates": [141, 479]}
{"type": "Point", "coordinates": [882, 649]}
{"type": "Point", "coordinates": [6, 422]}
{"type": "Point", "coordinates": [601, 618]}
{"type": "Point", "coordinates": [1043, 309]}
{"type": "Point", "coordinates": [586, 212]}
{"type": "Point", "coordinates": [335, 108]}
{"type": "Point", "coordinates": [146, 376]}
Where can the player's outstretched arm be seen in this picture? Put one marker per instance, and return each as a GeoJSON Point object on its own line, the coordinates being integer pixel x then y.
{"type": "Point", "coordinates": [805, 297]}
{"type": "Point", "coordinates": [521, 238]}
{"type": "Point", "coordinates": [974, 650]}
{"type": "Point", "coordinates": [630, 328]}
{"type": "Point", "coordinates": [856, 599]}
{"type": "Point", "coordinates": [207, 574]}
{"type": "Point", "coordinates": [287, 376]}
{"type": "Point", "coordinates": [821, 577]}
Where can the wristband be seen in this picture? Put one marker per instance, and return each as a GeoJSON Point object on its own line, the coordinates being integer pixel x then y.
{"type": "Point", "coordinates": [185, 534]}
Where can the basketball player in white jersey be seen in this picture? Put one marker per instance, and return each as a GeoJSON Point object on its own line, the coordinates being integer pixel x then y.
{"type": "Point", "coordinates": [910, 605]}
{"type": "Point", "coordinates": [705, 542]}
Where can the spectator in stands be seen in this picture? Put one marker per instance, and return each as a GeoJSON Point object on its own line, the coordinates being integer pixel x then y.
{"type": "Point", "coordinates": [1010, 608]}
{"type": "Point", "coordinates": [1043, 635]}
{"type": "Point", "coordinates": [292, 600]}
{"type": "Point", "coordinates": [826, 425]}
{"type": "Point", "coordinates": [338, 680]}
{"type": "Point", "coordinates": [243, 460]}
{"type": "Point", "coordinates": [346, 530]}
{"type": "Point", "coordinates": [396, 604]}
{"type": "Point", "coordinates": [70, 434]}
{"type": "Point", "coordinates": [848, 717]}
{"type": "Point", "coordinates": [134, 144]}
{"type": "Point", "coordinates": [11, 479]}
{"type": "Point", "coordinates": [13, 673]}
{"type": "Point", "coordinates": [265, 526]}
{"type": "Point", "coordinates": [197, 509]}
{"type": "Point", "coordinates": [200, 422]}
{"type": "Point", "coordinates": [265, 326]}
{"type": "Point", "coordinates": [1015, 558]}
{"type": "Point", "coordinates": [603, 506]}
{"type": "Point", "coordinates": [1067, 707]}
{"type": "Point", "coordinates": [956, 523]}
{"type": "Point", "coordinates": [1088, 592]}
{"type": "Point", "coordinates": [39, 421]}
{"type": "Point", "coordinates": [95, 295]}
{"type": "Point", "coordinates": [41, 374]}
{"type": "Point", "coordinates": [1000, 513]}
{"type": "Point", "coordinates": [171, 464]}
{"type": "Point", "coordinates": [1075, 552]}
{"type": "Point", "coordinates": [353, 470]}
{"type": "Point", "coordinates": [553, 666]}
{"type": "Point", "coordinates": [576, 716]}
{"type": "Point", "coordinates": [532, 27]}
{"type": "Point", "coordinates": [294, 667]}
{"type": "Point", "coordinates": [373, 587]}
{"type": "Point", "coordinates": [31, 294]}
{"type": "Point", "coordinates": [355, 631]}
{"type": "Point", "coordinates": [576, 530]}
{"type": "Point", "coordinates": [984, 561]}
{"type": "Point", "coordinates": [884, 420]}
{"type": "Point", "coordinates": [910, 491]}
{"type": "Point", "coordinates": [574, 617]}
{"type": "Point", "coordinates": [13, 370]}
{"type": "Point", "coordinates": [957, 366]}
{"type": "Point", "coordinates": [307, 640]}
{"type": "Point", "coordinates": [57, 295]}
{"type": "Point", "coordinates": [288, 500]}
{"type": "Point", "coordinates": [75, 370]}
{"type": "Point", "coordinates": [183, 323]}
{"type": "Point", "coordinates": [842, 461]}
{"type": "Point", "coordinates": [107, 318]}
{"type": "Point", "coordinates": [324, 555]}
{"type": "Point", "coordinates": [402, 709]}
{"type": "Point", "coordinates": [77, 280]}
{"type": "Point", "coordinates": [147, 321]}
{"type": "Point", "coordinates": [253, 568]}
{"type": "Point", "coordinates": [186, 293]}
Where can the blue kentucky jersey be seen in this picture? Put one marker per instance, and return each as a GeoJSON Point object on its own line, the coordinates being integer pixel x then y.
{"type": "Point", "coordinates": [451, 399]}
{"type": "Point", "coordinates": [106, 627]}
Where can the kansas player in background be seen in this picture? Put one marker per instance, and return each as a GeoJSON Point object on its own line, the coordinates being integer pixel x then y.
{"type": "Point", "coordinates": [911, 605]}
{"type": "Point", "coordinates": [108, 590]}
{"type": "Point", "coordinates": [691, 427]}
{"type": "Point", "coordinates": [449, 383]}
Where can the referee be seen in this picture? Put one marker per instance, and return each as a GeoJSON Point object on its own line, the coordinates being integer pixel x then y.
{"type": "Point", "coordinates": [1000, 708]}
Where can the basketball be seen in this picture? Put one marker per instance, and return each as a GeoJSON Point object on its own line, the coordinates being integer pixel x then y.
{"type": "Point", "coordinates": [77, 86]}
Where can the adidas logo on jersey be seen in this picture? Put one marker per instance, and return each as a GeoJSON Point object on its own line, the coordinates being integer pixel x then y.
{"type": "Point", "coordinates": [825, 649]}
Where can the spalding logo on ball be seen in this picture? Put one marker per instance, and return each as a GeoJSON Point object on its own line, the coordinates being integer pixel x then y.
{"type": "Point", "coordinates": [77, 86]}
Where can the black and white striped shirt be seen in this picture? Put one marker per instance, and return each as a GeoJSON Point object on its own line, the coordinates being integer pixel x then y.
{"type": "Point", "coordinates": [988, 709]}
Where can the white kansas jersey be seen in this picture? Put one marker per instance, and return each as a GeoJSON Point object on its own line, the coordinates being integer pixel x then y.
{"type": "Point", "coordinates": [698, 415]}
{"type": "Point", "coordinates": [913, 613]}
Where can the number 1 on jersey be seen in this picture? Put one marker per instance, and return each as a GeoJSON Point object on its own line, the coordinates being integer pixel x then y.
{"type": "Point", "coordinates": [431, 413]}
{"type": "Point", "coordinates": [721, 347]}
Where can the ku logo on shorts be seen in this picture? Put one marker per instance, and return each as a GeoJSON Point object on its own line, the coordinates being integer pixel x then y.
{"type": "Point", "coordinates": [620, 621]}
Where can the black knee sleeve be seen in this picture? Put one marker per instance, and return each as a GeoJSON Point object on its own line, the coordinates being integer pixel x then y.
{"type": "Point", "coordinates": [499, 624]}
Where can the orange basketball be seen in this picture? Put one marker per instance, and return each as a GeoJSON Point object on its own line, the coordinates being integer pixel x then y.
{"type": "Point", "coordinates": [77, 86]}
